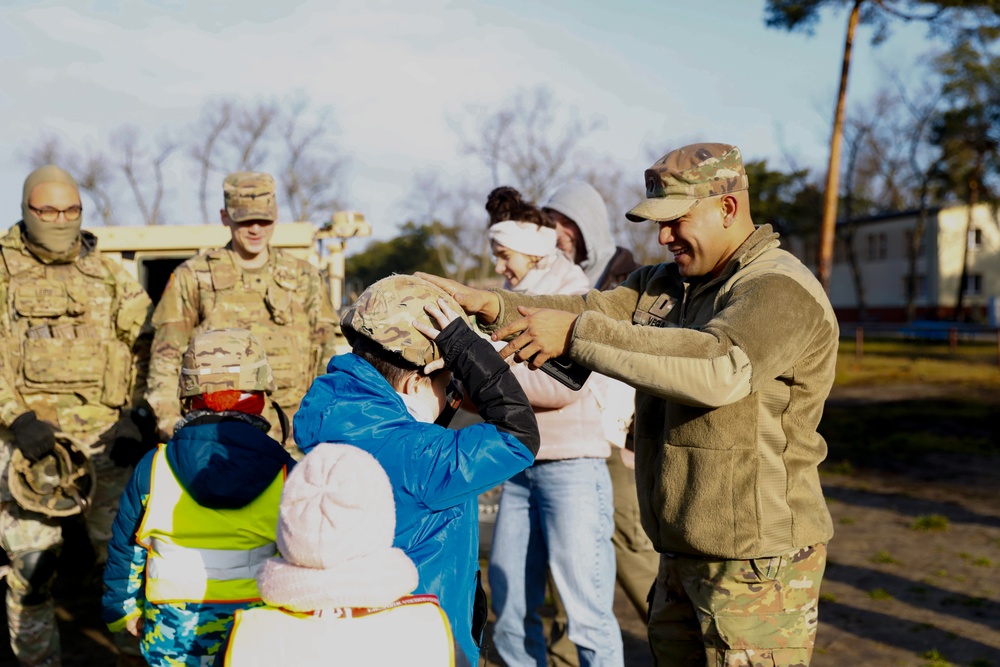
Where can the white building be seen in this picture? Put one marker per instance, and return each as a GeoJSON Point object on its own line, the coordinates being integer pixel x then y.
{"type": "Point", "coordinates": [881, 247]}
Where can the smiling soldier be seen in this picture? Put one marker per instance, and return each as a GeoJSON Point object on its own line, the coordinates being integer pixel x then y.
{"type": "Point", "coordinates": [731, 348]}
{"type": "Point", "coordinates": [250, 285]}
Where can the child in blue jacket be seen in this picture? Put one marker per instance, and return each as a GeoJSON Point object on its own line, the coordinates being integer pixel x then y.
{"type": "Point", "coordinates": [385, 397]}
{"type": "Point", "coordinates": [199, 516]}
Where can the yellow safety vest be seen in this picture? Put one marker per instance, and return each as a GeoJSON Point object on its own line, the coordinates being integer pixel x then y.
{"type": "Point", "coordinates": [198, 554]}
{"type": "Point", "coordinates": [414, 631]}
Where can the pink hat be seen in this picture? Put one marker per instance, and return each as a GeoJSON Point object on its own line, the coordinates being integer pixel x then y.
{"type": "Point", "coordinates": [335, 533]}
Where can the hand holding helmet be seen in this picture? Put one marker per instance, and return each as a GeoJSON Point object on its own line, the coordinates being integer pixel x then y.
{"type": "Point", "coordinates": [61, 483]}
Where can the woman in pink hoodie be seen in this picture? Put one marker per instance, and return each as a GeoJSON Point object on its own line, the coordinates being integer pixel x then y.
{"type": "Point", "coordinates": [557, 514]}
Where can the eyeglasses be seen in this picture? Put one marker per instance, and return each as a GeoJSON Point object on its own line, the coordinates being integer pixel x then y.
{"type": "Point", "coordinates": [50, 214]}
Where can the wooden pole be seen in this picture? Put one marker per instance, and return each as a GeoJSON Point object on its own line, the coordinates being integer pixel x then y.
{"type": "Point", "coordinates": [831, 195]}
{"type": "Point", "coordinates": [859, 343]}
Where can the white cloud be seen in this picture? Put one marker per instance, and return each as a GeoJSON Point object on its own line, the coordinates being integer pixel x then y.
{"type": "Point", "coordinates": [392, 72]}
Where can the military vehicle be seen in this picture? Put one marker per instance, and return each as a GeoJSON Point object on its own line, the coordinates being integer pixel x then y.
{"type": "Point", "coordinates": [151, 253]}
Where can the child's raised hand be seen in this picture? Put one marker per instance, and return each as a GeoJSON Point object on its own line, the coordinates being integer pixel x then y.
{"type": "Point", "coordinates": [442, 315]}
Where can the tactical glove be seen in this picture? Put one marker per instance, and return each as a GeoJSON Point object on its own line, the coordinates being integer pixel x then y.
{"type": "Point", "coordinates": [33, 437]}
{"type": "Point", "coordinates": [135, 435]}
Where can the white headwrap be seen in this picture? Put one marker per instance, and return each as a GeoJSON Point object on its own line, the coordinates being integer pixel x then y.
{"type": "Point", "coordinates": [524, 237]}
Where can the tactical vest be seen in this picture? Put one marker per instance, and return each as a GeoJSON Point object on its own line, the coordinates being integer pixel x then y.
{"type": "Point", "coordinates": [62, 349]}
{"type": "Point", "coordinates": [199, 554]}
{"type": "Point", "coordinates": [414, 631]}
{"type": "Point", "coordinates": [268, 303]}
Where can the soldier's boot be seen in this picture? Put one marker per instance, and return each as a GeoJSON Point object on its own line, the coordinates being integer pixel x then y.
{"type": "Point", "coordinates": [31, 614]}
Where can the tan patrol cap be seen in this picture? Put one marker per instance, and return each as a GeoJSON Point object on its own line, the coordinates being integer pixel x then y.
{"type": "Point", "coordinates": [250, 195]}
{"type": "Point", "coordinates": [681, 177]}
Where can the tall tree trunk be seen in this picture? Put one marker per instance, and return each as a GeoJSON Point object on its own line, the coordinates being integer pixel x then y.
{"type": "Point", "coordinates": [828, 227]}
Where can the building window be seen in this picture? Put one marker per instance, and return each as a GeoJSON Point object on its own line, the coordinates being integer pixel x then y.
{"type": "Point", "coordinates": [878, 247]}
{"type": "Point", "coordinates": [975, 239]}
{"type": "Point", "coordinates": [908, 240]}
{"type": "Point", "coordinates": [974, 284]}
{"type": "Point", "coordinates": [921, 292]}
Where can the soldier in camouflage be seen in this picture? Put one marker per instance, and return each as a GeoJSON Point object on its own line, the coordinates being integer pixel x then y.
{"type": "Point", "coordinates": [74, 351]}
{"type": "Point", "coordinates": [732, 348]}
{"type": "Point", "coordinates": [249, 285]}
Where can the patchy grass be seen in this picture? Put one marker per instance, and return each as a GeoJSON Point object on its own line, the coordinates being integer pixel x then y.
{"type": "Point", "coordinates": [930, 522]}
{"type": "Point", "coordinates": [866, 433]}
{"type": "Point", "coordinates": [843, 467]}
{"type": "Point", "coordinates": [880, 594]}
{"type": "Point", "coordinates": [862, 435]}
{"type": "Point", "coordinates": [934, 659]}
{"type": "Point", "coordinates": [894, 361]}
{"type": "Point", "coordinates": [884, 558]}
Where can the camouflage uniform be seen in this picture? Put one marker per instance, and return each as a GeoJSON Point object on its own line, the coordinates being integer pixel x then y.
{"type": "Point", "coordinates": [737, 613]}
{"type": "Point", "coordinates": [74, 348]}
{"type": "Point", "coordinates": [731, 383]}
{"type": "Point", "coordinates": [285, 304]}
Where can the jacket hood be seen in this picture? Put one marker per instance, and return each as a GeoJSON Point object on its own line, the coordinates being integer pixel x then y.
{"type": "Point", "coordinates": [366, 406]}
{"type": "Point", "coordinates": [225, 463]}
{"type": "Point", "coordinates": [581, 203]}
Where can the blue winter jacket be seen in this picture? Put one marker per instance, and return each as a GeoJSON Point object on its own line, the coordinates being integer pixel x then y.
{"type": "Point", "coordinates": [437, 473]}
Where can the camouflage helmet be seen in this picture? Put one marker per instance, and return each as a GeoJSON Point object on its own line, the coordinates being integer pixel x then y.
{"type": "Point", "coordinates": [220, 359]}
{"type": "Point", "coordinates": [61, 483]}
{"type": "Point", "coordinates": [384, 313]}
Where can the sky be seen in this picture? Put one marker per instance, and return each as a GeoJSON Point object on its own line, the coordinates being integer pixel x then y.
{"type": "Point", "coordinates": [393, 73]}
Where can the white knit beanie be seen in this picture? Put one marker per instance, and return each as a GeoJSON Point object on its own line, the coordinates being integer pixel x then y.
{"type": "Point", "coordinates": [335, 531]}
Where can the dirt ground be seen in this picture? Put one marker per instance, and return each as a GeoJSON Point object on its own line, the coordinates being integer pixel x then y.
{"type": "Point", "coordinates": [893, 595]}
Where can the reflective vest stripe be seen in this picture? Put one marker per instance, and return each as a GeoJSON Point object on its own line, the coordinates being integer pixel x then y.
{"type": "Point", "coordinates": [168, 560]}
{"type": "Point", "coordinates": [200, 554]}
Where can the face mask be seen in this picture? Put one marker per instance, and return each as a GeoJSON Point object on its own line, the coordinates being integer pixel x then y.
{"type": "Point", "coordinates": [55, 238]}
{"type": "Point", "coordinates": [417, 408]}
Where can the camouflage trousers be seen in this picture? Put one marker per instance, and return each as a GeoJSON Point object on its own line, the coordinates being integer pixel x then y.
{"type": "Point", "coordinates": [736, 613]}
{"type": "Point", "coordinates": [34, 634]}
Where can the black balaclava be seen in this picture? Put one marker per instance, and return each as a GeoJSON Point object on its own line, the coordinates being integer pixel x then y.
{"type": "Point", "coordinates": [52, 242]}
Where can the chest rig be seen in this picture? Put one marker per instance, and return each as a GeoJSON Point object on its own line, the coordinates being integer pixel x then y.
{"type": "Point", "coordinates": [61, 336]}
{"type": "Point", "coordinates": [267, 302]}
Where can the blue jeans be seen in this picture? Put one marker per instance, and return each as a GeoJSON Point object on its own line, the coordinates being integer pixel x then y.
{"type": "Point", "coordinates": [558, 514]}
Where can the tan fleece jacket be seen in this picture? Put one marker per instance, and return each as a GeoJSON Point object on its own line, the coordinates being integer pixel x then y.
{"type": "Point", "coordinates": [731, 377]}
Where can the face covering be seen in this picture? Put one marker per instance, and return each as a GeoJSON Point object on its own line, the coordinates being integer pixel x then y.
{"type": "Point", "coordinates": [417, 408]}
{"type": "Point", "coordinates": [50, 241]}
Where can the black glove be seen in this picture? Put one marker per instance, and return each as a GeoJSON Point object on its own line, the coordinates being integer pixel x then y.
{"type": "Point", "coordinates": [34, 438]}
{"type": "Point", "coordinates": [135, 435]}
